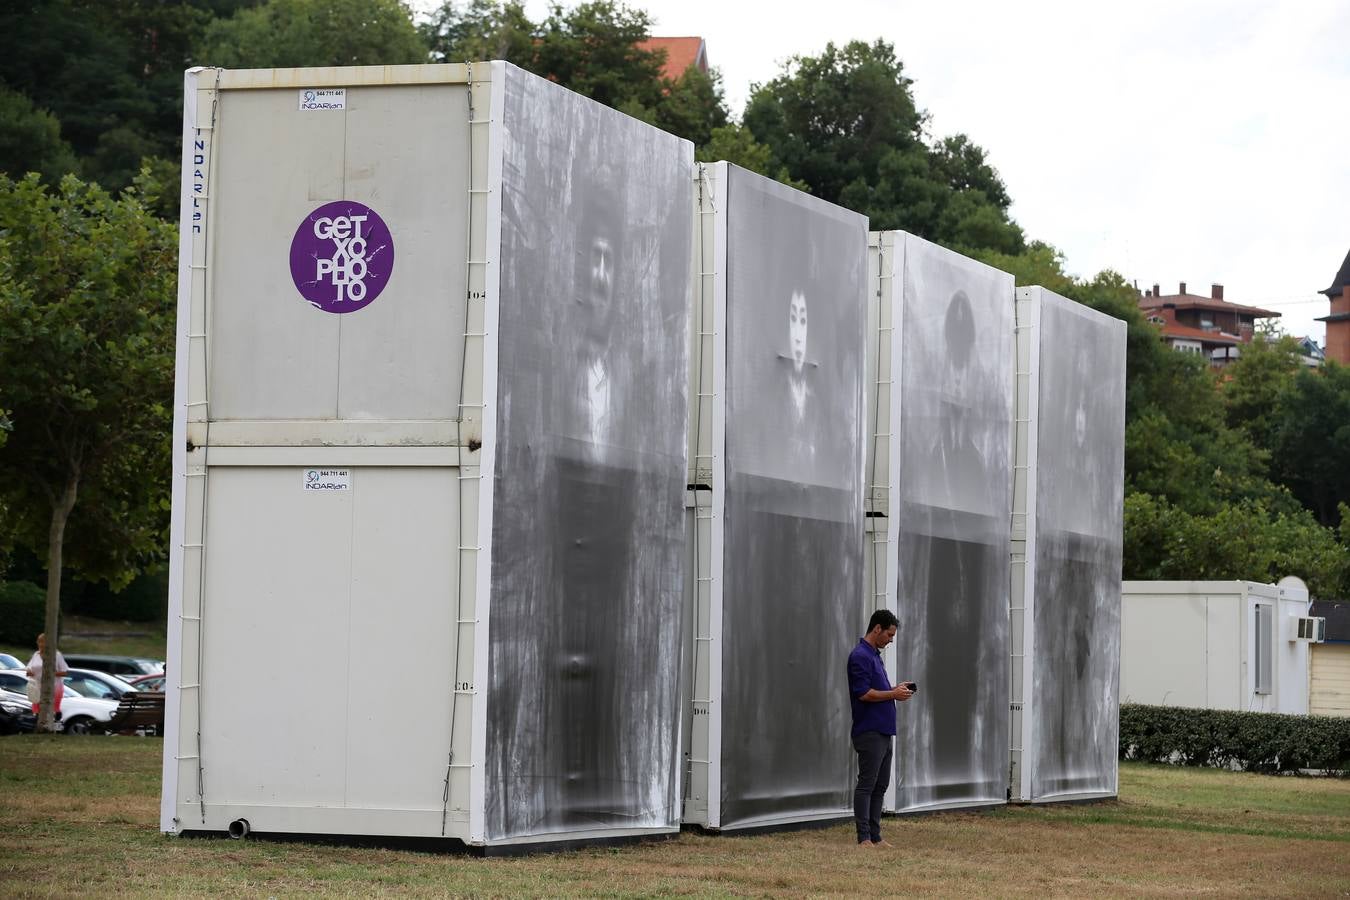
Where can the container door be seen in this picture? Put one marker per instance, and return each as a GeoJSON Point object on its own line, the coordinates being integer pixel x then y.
{"type": "Point", "coordinates": [328, 637]}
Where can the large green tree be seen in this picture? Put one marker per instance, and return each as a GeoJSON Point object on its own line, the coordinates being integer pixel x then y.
{"type": "Point", "coordinates": [735, 144]}
{"type": "Point", "coordinates": [480, 30]}
{"type": "Point", "coordinates": [592, 48]}
{"type": "Point", "coordinates": [845, 123]}
{"type": "Point", "coordinates": [314, 33]}
{"type": "Point", "coordinates": [86, 348]}
{"type": "Point", "coordinates": [596, 49]}
{"type": "Point", "coordinates": [1244, 540]}
{"type": "Point", "coordinates": [1311, 442]}
{"type": "Point", "coordinates": [1299, 416]}
{"type": "Point", "coordinates": [692, 106]}
{"type": "Point", "coordinates": [110, 73]}
{"type": "Point", "coordinates": [30, 140]}
{"type": "Point", "coordinates": [1257, 387]}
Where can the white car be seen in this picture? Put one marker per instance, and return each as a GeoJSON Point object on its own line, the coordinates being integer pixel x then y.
{"type": "Point", "coordinates": [10, 662]}
{"type": "Point", "coordinates": [101, 685]}
{"type": "Point", "coordinates": [79, 715]}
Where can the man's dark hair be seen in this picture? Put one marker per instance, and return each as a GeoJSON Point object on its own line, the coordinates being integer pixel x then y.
{"type": "Point", "coordinates": [884, 618]}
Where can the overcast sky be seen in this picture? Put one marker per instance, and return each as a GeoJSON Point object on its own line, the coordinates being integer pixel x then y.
{"type": "Point", "coordinates": [1194, 140]}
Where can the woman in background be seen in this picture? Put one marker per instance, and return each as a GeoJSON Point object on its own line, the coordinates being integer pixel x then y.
{"type": "Point", "coordinates": [35, 676]}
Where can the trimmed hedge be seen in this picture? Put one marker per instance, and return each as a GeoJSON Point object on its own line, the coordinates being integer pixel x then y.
{"type": "Point", "coordinates": [23, 607]}
{"type": "Point", "coordinates": [1250, 741]}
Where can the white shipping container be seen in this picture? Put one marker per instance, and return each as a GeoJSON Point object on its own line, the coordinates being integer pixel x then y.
{"type": "Point", "coordinates": [386, 411]}
{"type": "Point", "coordinates": [776, 550]}
{"type": "Point", "coordinates": [944, 346]}
{"type": "Point", "coordinates": [1214, 645]}
{"type": "Point", "coordinates": [1069, 391]}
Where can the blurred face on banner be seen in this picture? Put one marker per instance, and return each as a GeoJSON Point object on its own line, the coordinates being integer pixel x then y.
{"type": "Point", "coordinates": [797, 330]}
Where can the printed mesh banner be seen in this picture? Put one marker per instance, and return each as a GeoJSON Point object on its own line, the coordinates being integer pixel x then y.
{"type": "Point", "coordinates": [1079, 487]}
{"type": "Point", "coordinates": [588, 498]}
{"type": "Point", "coordinates": [953, 495]}
{"type": "Point", "coordinates": [795, 309]}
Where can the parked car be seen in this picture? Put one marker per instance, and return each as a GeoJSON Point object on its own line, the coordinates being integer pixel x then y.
{"type": "Point", "coordinates": [79, 715]}
{"type": "Point", "coordinates": [149, 682]}
{"type": "Point", "coordinates": [80, 683]}
{"type": "Point", "coordinates": [16, 714]}
{"type": "Point", "coordinates": [91, 683]}
{"type": "Point", "coordinates": [129, 666]}
{"type": "Point", "coordinates": [11, 662]}
{"type": "Point", "coordinates": [14, 680]}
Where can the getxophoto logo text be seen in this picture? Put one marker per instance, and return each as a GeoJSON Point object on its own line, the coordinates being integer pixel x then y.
{"type": "Point", "coordinates": [342, 256]}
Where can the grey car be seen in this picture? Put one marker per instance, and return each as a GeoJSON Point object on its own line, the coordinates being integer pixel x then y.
{"type": "Point", "coordinates": [125, 667]}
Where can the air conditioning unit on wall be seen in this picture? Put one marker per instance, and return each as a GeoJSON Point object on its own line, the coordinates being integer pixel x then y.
{"type": "Point", "coordinates": [1306, 628]}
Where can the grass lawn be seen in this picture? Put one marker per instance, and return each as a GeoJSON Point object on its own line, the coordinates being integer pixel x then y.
{"type": "Point", "coordinates": [82, 816]}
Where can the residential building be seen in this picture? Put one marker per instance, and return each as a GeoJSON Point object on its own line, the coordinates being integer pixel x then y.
{"type": "Point", "coordinates": [1338, 322]}
{"type": "Point", "coordinates": [1209, 326]}
{"type": "Point", "coordinates": [1310, 354]}
{"type": "Point", "coordinates": [681, 53]}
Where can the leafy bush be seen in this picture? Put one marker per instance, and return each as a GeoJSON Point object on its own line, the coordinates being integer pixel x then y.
{"type": "Point", "coordinates": [22, 611]}
{"type": "Point", "coordinates": [1251, 741]}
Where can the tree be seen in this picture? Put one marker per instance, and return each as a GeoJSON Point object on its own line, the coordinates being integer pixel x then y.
{"type": "Point", "coordinates": [734, 144]}
{"type": "Point", "coordinates": [110, 73]}
{"type": "Point", "coordinates": [1245, 540]}
{"type": "Point", "coordinates": [1311, 442]}
{"type": "Point", "coordinates": [86, 345]}
{"type": "Point", "coordinates": [314, 33]}
{"type": "Point", "coordinates": [1257, 386]}
{"type": "Point", "coordinates": [964, 167]}
{"type": "Point", "coordinates": [831, 119]}
{"type": "Point", "coordinates": [693, 106]}
{"type": "Point", "coordinates": [30, 140]}
{"type": "Point", "coordinates": [845, 123]}
{"type": "Point", "coordinates": [482, 30]}
{"type": "Point", "coordinates": [593, 49]}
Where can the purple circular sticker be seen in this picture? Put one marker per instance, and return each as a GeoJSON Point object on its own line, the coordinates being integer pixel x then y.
{"type": "Point", "coordinates": [342, 256]}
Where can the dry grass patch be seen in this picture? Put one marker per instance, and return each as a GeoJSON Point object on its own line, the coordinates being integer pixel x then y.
{"type": "Point", "coordinates": [84, 811]}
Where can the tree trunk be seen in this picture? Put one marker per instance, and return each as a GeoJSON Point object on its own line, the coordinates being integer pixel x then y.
{"type": "Point", "coordinates": [55, 538]}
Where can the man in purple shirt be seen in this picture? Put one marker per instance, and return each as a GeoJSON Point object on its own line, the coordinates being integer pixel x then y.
{"type": "Point", "coordinates": [873, 701]}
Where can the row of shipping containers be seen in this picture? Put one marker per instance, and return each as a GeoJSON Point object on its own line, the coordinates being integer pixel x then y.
{"type": "Point", "coordinates": [532, 483]}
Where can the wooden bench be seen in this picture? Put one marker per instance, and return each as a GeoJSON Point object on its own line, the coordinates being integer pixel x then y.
{"type": "Point", "coordinates": [138, 709]}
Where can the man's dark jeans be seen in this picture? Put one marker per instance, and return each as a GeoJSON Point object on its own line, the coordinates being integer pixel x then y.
{"type": "Point", "coordinates": [874, 776]}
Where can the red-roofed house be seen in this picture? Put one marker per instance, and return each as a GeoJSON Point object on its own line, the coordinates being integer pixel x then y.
{"type": "Point", "coordinates": [1210, 326]}
{"type": "Point", "coordinates": [681, 53]}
